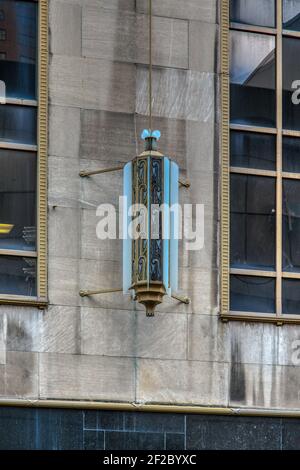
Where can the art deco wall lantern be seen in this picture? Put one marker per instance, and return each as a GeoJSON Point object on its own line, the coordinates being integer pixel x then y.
{"type": "Point", "coordinates": [150, 219]}
{"type": "Point", "coordinates": [150, 262]}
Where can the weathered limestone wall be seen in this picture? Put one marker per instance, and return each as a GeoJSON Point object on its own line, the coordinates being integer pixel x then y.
{"type": "Point", "coordinates": [104, 348]}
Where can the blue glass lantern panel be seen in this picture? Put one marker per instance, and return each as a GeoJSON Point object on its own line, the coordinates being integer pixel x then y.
{"type": "Point", "coordinates": [174, 225]}
{"type": "Point", "coordinates": [166, 224]}
{"type": "Point", "coordinates": [127, 241]}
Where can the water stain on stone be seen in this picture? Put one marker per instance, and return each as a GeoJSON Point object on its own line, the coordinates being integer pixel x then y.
{"type": "Point", "coordinates": [17, 336]}
{"type": "Point", "coordinates": [237, 375]}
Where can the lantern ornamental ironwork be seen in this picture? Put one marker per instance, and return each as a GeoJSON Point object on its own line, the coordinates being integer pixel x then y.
{"type": "Point", "coordinates": [151, 225]}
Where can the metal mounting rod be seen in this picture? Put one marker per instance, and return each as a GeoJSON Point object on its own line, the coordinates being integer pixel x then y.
{"type": "Point", "coordinates": [185, 184]}
{"type": "Point", "coordinates": [184, 300]}
{"type": "Point", "coordinates": [87, 293]}
{"type": "Point", "coordinates": [84, 173]}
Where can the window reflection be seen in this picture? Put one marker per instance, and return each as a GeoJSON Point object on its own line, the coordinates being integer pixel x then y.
{"type": "Point", "coordinates": [252, 294]}
{"type": "Point", "coordinates": [252, 78]}
{"type": "Point", "coordinates": [291, 83]}
{"type": "Point", "coordinates": [252, 222]}
{"type": "Point", "coordinates": [252, 150]}
{"type": "Point", "coordinates": [17, 276]}
{"type": "Point", "coordinates": [291, 155]}
{"type": "Point", "coordinates": [291, 226]}
{"type": "Point", "coordinates": [18, 36]}
{"type": "Point", "coordinates": [291, 296]}
{"type": "Point", "coordinates": [291, 15]}
{"type": "Point", "coordinates": [18, 124]}
{"type": "Point", "coordinates": [253, 12]}
{"type": "Point", "coordinates": [17, 200]}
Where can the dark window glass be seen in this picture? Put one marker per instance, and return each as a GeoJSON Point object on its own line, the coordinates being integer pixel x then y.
{"type": "Point", "coordinates": [254, 12]}
{"type": "Point", "coordinates": [251, 150]}
{"type": "Point", "coordinates": [17, 275]}
{"type": "Point", "coordinates": [252, 294]}
{"type": "Point", "coordinates": [252, 222]}
{"type": "Point", "coordinates": [291, 225]}
{"type": "Point", "coordinates": [18, 70]}
{"type": "Point", "coordinates": [18, 124]}
{"type": "Point", "coordinates": [252, 79]}
{"type": "Point", "coordinates": [17, 200]}
{"type": "Point", "coordinates": [291, 296]}
{"type": "Point", "coordinates": [291, 15]}
{"type": "Point", "coordinates": [291, 83]}
{"type": "Point", "coordinates": [291, 155]}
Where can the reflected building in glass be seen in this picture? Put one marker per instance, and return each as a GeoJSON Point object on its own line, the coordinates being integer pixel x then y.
{"type": "Point", "coordinates": [18, 48]}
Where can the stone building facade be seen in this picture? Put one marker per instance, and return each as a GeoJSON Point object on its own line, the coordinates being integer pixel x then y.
{"type": "Point", "coordinates": [102, 350]}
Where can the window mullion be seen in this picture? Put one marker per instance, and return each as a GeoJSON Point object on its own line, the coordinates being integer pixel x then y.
{"type": "Point", "coordinates": [279, 159]}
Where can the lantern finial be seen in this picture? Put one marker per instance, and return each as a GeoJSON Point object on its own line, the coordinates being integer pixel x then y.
{"type": "Point", "coordinates": [150, 138]}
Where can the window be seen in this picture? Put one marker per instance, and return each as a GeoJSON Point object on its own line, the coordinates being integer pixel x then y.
{"type": "Point", "coordinates": [260, 189]}
{"type": "Point", "coordinates": [23, 146]}
{"type": "Point", "coordinates": [2, 34]}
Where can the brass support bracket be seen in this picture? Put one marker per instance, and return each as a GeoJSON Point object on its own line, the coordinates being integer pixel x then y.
{"type": "Point", "coordinates": [84, 173]}
{"type": "Point", "coordinates": [184, 184]}
{"type": "Point", "coordinates": [88, 293]}
{"type": "Point", "coordinates": [182, 299]}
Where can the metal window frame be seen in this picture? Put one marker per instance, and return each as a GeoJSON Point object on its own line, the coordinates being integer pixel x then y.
{"type": "Point", "coordinates": [279, 317]}
{"type": "Point", "coordinates": [41, 103]}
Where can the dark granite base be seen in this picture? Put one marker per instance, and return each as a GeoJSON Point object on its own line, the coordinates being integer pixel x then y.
{"type": "Point", "coordinates": [49, 429]}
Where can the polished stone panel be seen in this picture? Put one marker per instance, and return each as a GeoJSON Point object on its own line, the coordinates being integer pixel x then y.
{"type": "Point", "coordinates": [17, 429]}
{"type": "Point", "coordinates": [175, 441]}
{"type": "Point", "coordinates": [107, 136]}
{"type": "Point", "coordinates": [164, 337]}
{"type": "Point", "coordinates": [20, 375]}
{"type": "Point", "coordinates": [182, 381]}
{"type": "Point", "coordinates": [202, 58]}
{"type": "Point", "coordinates": [203, 10]}
{"type": "Point", "coordinates": [237, 433]}
{"type": "Point", "coordinates": [264, 386]}
{"type": "Point", "coordinates": [115, 35]}
{"type": "Point", "coordinates": [178, 94]}
{"type": "Point", "coordinates": [99, 189]}
{"type": "Point", "coordinates": [65, 28]}
{"type": "Point", "coordinates": [63, 281]}
{"type": "Point", "coordinates": [93, 440]}
{"type": "Point", "coordinates": [107, 332]}
{"type": "Point", "coordinates": [62, 429]}
{"type": "Point", "coordinates": [208, 339]}
{"type": "Point", "coordinates": [64, 220]}
{"type": "Point", "coordinates": [60, 330]}
{"type": "Point", "coordinates": [3, 334]}
{"type": "Point", "coordinates": [86, 377]}
{"type": "Point", "coordinates": [23, 328]}
{"type": "Point", "coordinates": [290, 434]}
{"type": "Point", "coordinates": [64, 131]}
{"type": "Point", "coordinates": [92, 84]}
{"type": "Point", "coordinates": [253, 343]}
{"type": "Point", "coordinates": [115, 440]}
{"type": "Point", "coordinates": [59, 429]}
{"type": "Point", "coordinates": [64, 183]}
{"type": "Point", "coordinates": [289, 346]}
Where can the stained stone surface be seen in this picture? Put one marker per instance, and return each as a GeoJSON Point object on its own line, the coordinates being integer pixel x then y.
{"type": "Point", "coordinates": [103, 347]}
